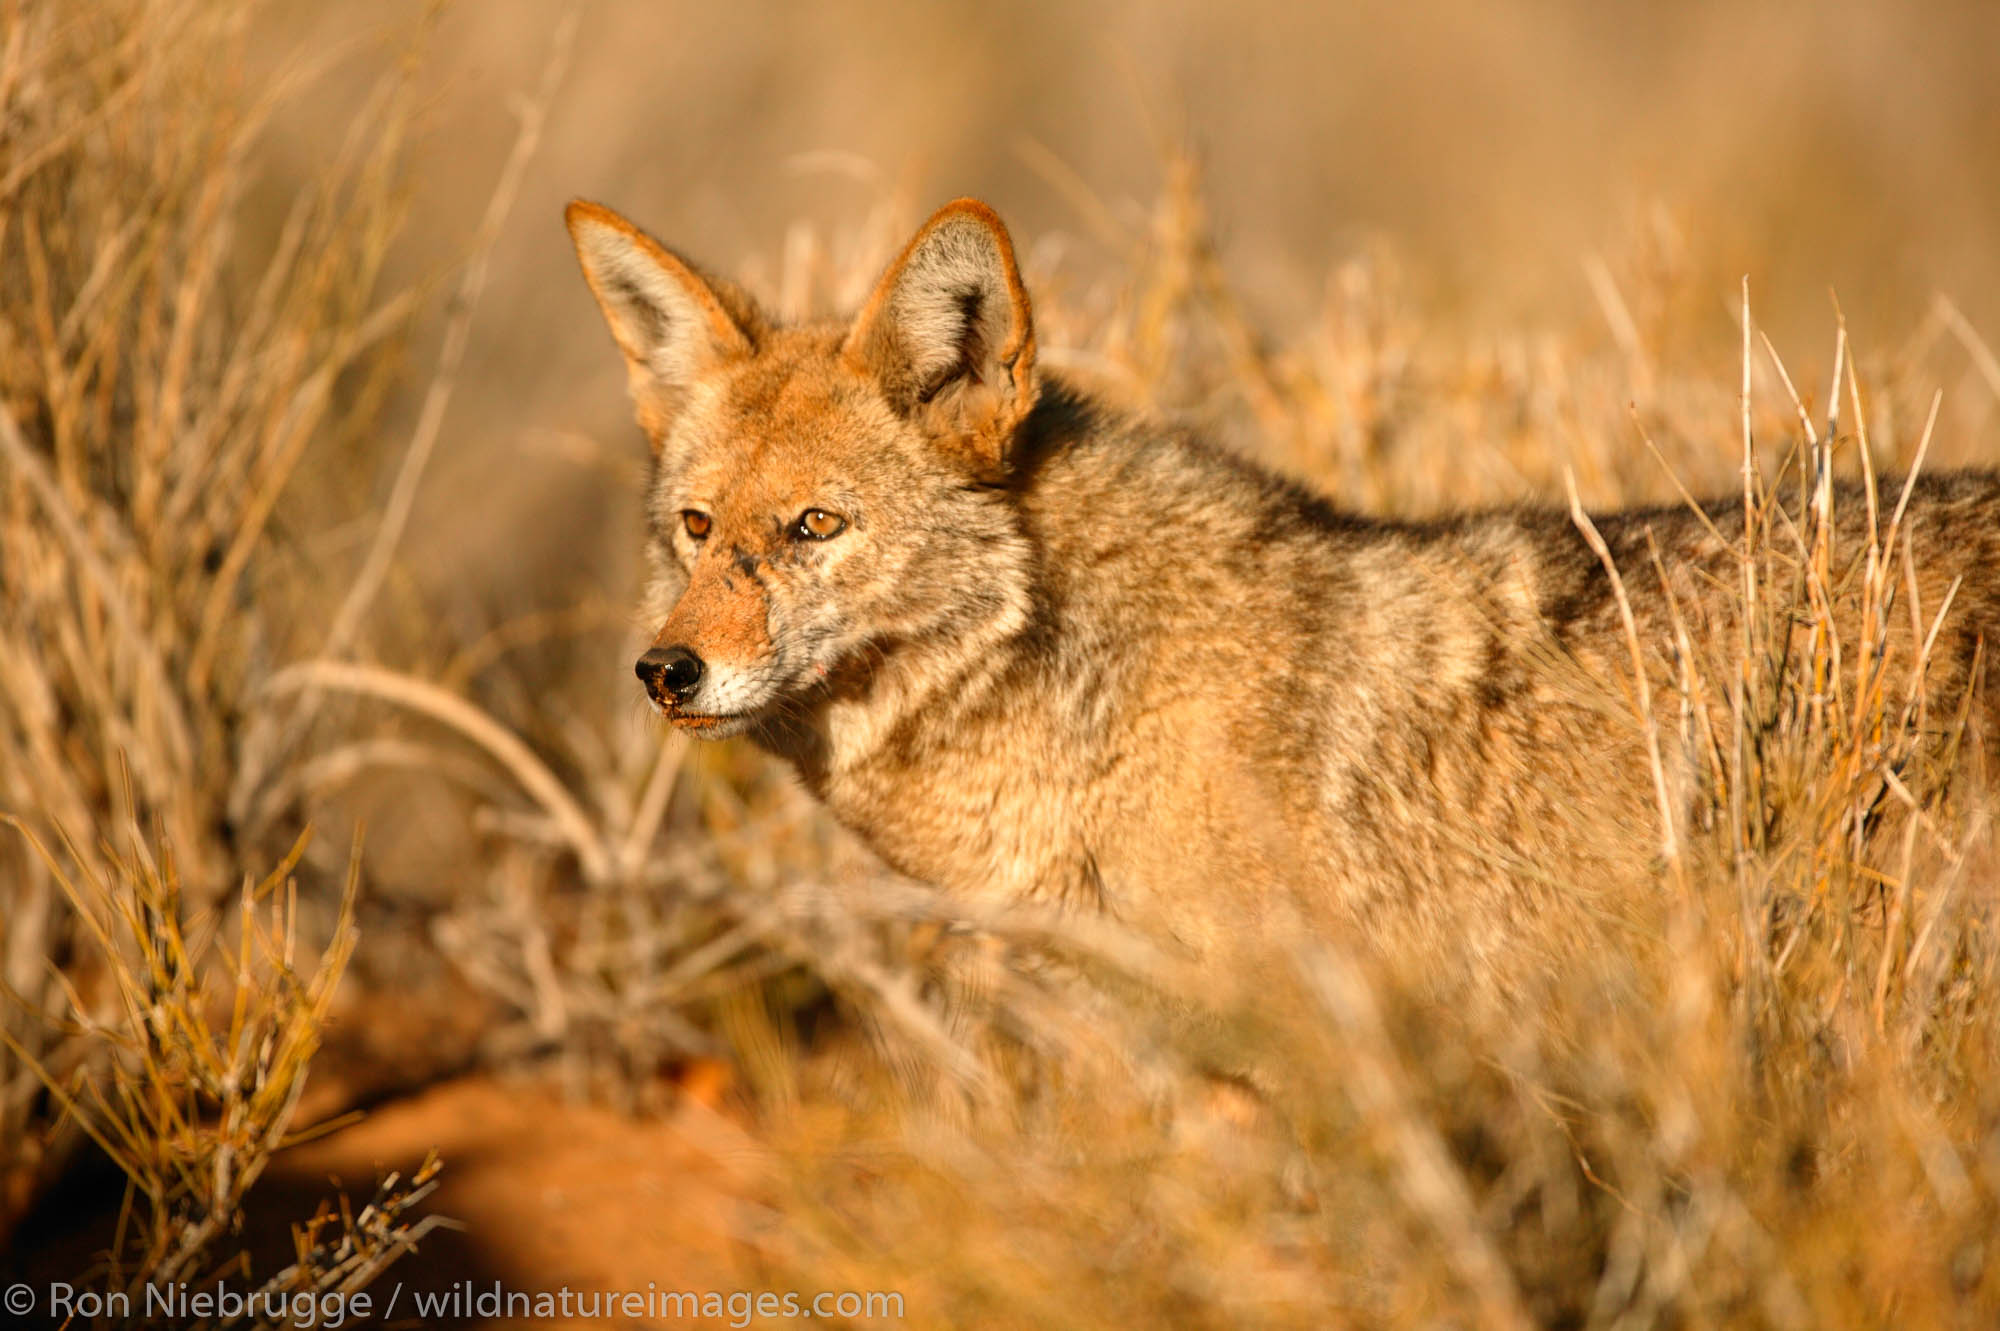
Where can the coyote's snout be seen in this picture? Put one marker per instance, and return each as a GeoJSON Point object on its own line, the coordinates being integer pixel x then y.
{"type": "Point", "coordinates": [1029, 647]}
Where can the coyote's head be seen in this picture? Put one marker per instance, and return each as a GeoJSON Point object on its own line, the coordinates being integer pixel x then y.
{"type": "Point", "coordinates": [824, 497]}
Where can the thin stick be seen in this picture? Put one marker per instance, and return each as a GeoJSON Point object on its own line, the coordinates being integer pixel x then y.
{"type": "Point", "coordinates": [1916, 466]}
{"type": "Point", "coordinates": [653, 803]}
{"type": "Point", "coordinates": [1591, 536]}
{"type": "Point", "coordinates": [1969, 338]}
{"type": "Point", "coordinates": [1749, 456]}
{"type": "Point", "coordinates": [402, 496]}
{"type": "Point", "coordinates": [505, 747]}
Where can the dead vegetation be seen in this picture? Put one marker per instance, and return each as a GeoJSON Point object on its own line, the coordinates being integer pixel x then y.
{"type": "Point", "coordinates": [1776, 1111]}
{"type": "Point", "coordinates": [163, 378]}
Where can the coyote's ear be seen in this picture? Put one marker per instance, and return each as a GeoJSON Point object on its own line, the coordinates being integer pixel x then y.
{"type": "Point", "coordinates": [670, 322]}
{"type": "Point", "coordinates": [948, 334]}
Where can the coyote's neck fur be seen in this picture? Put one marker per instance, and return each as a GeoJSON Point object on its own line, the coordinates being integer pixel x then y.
{"type": "Point", "coordinates": [1029, 647]}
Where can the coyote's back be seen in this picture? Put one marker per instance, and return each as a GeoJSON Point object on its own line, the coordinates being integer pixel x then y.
{"type": "Point", "coordinates": [1028, 647]}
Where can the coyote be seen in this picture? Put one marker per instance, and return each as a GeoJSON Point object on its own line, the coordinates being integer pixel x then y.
{"type": "Point", "coordinates": [1031, 648]}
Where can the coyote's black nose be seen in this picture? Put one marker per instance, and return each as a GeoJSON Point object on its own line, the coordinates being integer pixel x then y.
{"type": "Point", "coordinates": [670, 672]}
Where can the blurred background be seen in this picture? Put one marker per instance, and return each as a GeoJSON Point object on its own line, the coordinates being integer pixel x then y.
{"type": "Point", "coordinates": [1482, 157]}
{"type": "Point", "coordinates": [269, 273]}
{"type": "Point", "coordinates": [1847, 146]}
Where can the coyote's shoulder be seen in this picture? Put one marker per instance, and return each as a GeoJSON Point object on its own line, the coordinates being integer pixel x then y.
{"type": "Point", "coordinates": [1028, 646]}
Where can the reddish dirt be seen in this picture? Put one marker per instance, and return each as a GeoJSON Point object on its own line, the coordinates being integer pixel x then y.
{"type": "Point", "coordinates": [547, 1195]}
{"type": "Point", "coordinates": [551, 1195]}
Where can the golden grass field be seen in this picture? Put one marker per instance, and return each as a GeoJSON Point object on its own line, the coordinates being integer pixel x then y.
{"type": "Point", "coordinates": [332, 812]}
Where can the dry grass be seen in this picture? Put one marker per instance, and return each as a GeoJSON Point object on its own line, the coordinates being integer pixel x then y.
{"type": "Point", "coordinates": [163, 378]}
{"type": "Point", "coordinates": [187, 1037]}
{"type": "Point", "coordinates": [1776, 1110]}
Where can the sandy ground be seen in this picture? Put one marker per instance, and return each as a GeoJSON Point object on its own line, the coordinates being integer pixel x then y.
{"type": "Point", "coordinates": [546, 1196]}
{"type": "Point", "coordinates": [552, 1195]}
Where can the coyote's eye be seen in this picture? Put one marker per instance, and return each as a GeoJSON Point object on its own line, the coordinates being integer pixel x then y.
{"type": "Point", "coordinates": [696, 523]}
{"type": "Point", "coordinates": [816, 524]}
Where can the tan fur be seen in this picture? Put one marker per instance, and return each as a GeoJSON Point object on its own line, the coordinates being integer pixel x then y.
{"type": "Point", "coordinates": [1062, 654]}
